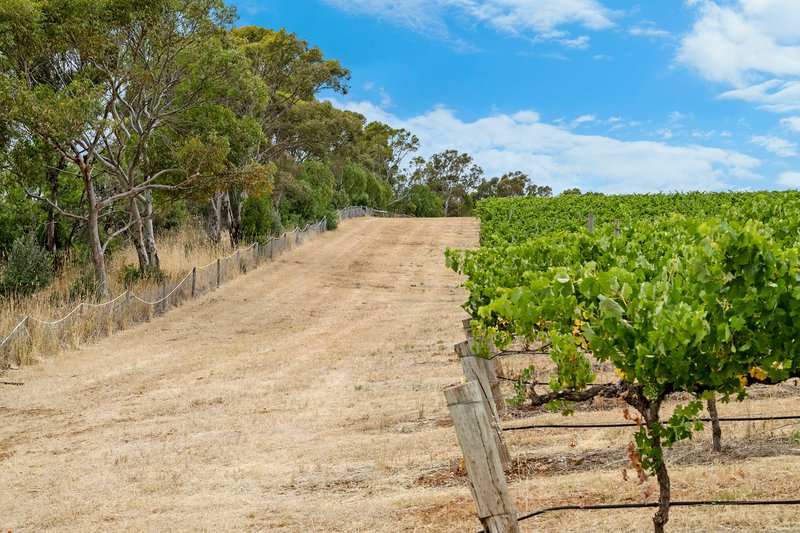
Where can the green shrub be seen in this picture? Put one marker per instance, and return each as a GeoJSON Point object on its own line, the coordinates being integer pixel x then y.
{"type": "Point", "coordinates": [333, 220]}
{"type": "Point", "coordinates": [130, 274]}
{"type": "Point", "coordinates": [85, 287]}
{"type": "Point", "coordinates": [28, 268]}
{"type": "Point", "coordinates": [259, 218]}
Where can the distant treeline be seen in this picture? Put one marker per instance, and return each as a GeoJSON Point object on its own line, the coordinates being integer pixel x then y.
{"type": "Point", "coordinates": [119, 119]}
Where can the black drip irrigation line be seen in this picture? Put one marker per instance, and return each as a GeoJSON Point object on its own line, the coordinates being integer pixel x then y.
{"type": "Point", "coordinates": [651, 504]}
{"type": "Point", "coordinates": [654, 504]}
{"type": "Point", "coordinates": [634, 424]}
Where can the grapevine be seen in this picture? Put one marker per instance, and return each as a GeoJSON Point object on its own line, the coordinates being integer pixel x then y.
{"type": "Point", "coordinates": [699, 304]}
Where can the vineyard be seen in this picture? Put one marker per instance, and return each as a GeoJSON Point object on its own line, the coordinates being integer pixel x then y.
{"type": "Point", "coordinates": [304, 391]}
{"type": "Point", "coordinates": [677, 300]}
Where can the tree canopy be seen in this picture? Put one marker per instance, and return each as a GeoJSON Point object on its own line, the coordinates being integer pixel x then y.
{"type": "Point", "coordinates": [120, 118]}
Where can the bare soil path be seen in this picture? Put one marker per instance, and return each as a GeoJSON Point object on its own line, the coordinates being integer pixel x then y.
{"type": "Point", "coordinates": [303, 396]}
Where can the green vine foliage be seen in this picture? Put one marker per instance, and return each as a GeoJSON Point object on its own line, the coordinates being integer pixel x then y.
{"type": "Point", "coordinates": [676, 303]}
{"type": "Point", "coordinates": [521, 386]}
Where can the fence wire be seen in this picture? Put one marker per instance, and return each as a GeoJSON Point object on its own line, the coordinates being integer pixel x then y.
{"type": "Point", "coordinates": [88, 321]}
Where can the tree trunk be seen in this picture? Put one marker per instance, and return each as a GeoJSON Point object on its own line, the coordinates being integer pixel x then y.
{"type": "Point", "coordinates": [52, 179]}
{"type": "Point", "coordinates": [216, 222]}
{"type": "Point", "coordinates": [234, 212]}
{"type": "Point", "coordinates": [98, 259]}
{"type": "Point", "coordinates": [149, 232]}
{"type": "Point", "coordinates": [716, 430]}
{"type": "Point", "coordinates": [137, 236]}
{"type": "Point", "coordinates": [93, 221]}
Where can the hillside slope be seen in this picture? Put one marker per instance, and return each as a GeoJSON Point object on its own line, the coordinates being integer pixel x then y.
{"type": "Point", "coordinates": [303, 396]}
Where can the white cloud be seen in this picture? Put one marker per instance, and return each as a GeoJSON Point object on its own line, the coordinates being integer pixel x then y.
{"type": "Point", "coordinates": [423, 16]}
{"type": "Point", "coordinates": [775, 145]}
{"type": "Point", "coordinates": [790, 179]}
{"type": "Point", "coordinates": [386, 100]}
{"type": "Point", "coordinates": [526, 117]}
{"type": "Point", "coordinates": [651, 32]}
{"type": "Point", "coordinates": [544, 19]}
{"type": "Point", "coordinates": [583, 119]}
{"type": "Point", "coordinates": [540, 16]}
{"type": "Point", "coordinates": [774, 95]}
{"type": "Point", "coordinates": [665, 133]}
{"type": "Point", "coordinates": [578, 43]}
{"type": "Point", "coordinates": [752, 45]}
{"type": "Point", "coordinates": [793, 123]}
{"type": "Point", "coordinates": [677, 116]}
{"type": "Point", "coordinates": [733, 43]}
{"type": "Point", "coordinates": [554, 155]}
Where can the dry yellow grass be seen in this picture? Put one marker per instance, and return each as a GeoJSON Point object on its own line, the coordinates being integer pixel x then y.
{"type": "Point", "coordinates": [179, 252]}
{"type": "Point", "coordinates": [307, 396]}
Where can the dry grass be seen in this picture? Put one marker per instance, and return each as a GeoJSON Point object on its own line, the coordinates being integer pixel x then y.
{"type": "Point", "coordinates": [179, 252]}
{"type": "Point", "coordinates": [306, 396]}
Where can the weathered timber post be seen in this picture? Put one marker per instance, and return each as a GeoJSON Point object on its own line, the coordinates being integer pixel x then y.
{"type": "Point", "coordinates": [194, 281]}
{"type": "Point", "coordinates": [164, 296]}
{"type": "Point", "coordinates": [497, 362]}
{"type": "Point", "coordinates": [590, 224]}
{"type": "Point", "coordinates": [28, 344]}
{"type": "Point", "coordinates": [219, 271]}
{"type": "Point", "coordinates": [487, 479]}
{"type": "Point", "coordinates": [255, 252]}
{"type": "Point", "coordinates": [481, 371]}
{"type": "Point", "coordinates": [716, 430]}
{"type": "Point", "coordinates": [467, 322]}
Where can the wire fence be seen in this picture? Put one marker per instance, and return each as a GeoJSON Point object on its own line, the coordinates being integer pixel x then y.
{"type": "Point", "coordinates": [89, 321]}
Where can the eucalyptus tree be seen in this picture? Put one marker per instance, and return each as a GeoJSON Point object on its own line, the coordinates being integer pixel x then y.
{"type": "Point", "coordinates": [386, 149]}
{"type": "Point", "coordinates": [95, 80]}
{"type": "Point", "coordinates": [289, 75]}
{"type": "Point", "coordinates": [511, 184]}
{"type": "Point", "coordinates": [451, 175]}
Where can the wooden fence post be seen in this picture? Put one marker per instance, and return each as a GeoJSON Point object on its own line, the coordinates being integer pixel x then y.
{"type": "Point", "coordinates": [164, 296]}
{"type": "Point", "coordinates": [487, 479]}
{"type": "Point", "coordinates": [590, 224]}
{"type": "Point", "coordinates": [616, 228]}
{"type": "Point", "coordinates": [255, 252]}
{"type": "Point", "coordinates": [194, 281]}
{"type": "Point", "coordinates": [467, 322]}
{"type": "Point", "coordinates": [498, 362]}
{"type": "Point", "coordinates": [481, 371]}
{"type": "Point", "coordinates": [219, 271]}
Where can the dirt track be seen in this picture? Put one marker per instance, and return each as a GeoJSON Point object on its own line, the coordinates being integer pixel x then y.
{"type": "Point", "coordinates": [303, 396]}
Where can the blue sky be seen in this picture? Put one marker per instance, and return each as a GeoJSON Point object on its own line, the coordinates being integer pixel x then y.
{"type": "Point", "coordinates": [606, 95]}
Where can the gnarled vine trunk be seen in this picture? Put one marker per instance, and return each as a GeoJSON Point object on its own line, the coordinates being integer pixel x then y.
{"type": "Point", "coordinates": [650, 411]}
{"type": "Point", "coordinates": [716, 430]}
